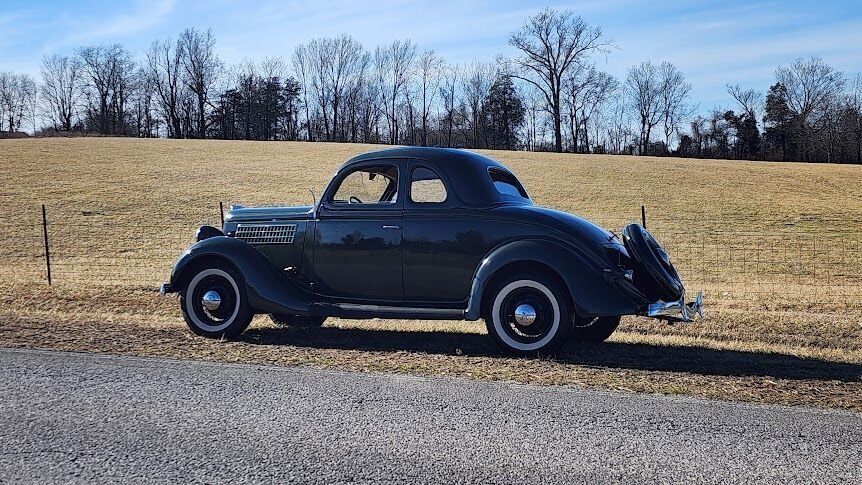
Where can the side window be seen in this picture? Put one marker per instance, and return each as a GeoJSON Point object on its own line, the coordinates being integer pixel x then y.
{"type": "Point", "coordinates": [426, 186]}
{"type": "Point", "coordinates": [507, 184]}
{"type": "Point", "coordinates": [368, 185]}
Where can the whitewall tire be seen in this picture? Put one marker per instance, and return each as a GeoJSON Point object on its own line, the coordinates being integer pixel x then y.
{"type": "Point", "coordinates": [528, 314]}
{"type": "Point", "coordinates": [214, 303]}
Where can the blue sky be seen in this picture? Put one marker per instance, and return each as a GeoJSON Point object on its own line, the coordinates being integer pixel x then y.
{"type": "Point", "coordinates": [713, 42]}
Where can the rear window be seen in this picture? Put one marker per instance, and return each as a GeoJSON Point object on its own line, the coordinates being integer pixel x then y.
{"type": "Point", "coordinates": [506, 183]}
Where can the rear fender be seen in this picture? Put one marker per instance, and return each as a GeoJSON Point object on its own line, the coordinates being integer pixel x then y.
{"type": "Point", "coordinates": [268, 288]}
{"type": "Point", "coordinates": [592, 294]}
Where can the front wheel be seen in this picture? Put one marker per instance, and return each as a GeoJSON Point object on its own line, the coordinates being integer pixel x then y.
{"type": "Point", "coordinates": [528, 314]}
{"type": "Point", "coordinates": [214, 303]}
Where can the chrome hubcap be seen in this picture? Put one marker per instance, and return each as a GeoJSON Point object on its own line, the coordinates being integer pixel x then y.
{"type": "Point", "coordinates": [525, 315]}
{"type": "Point", "coordinates": [211, 300]}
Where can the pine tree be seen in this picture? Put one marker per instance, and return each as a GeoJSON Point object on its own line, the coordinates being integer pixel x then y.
{"type": "Point", "coordinates": [779, 121]}
{"type": "Point", "coordinates": [504, 114]}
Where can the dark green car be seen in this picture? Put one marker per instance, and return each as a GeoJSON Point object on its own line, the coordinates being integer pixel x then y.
{"type": "Point", "coordinates": [426, 233]}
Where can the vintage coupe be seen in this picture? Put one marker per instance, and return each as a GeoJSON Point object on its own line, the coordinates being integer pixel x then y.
{"type": "Point", "coordinates": [426, 233]}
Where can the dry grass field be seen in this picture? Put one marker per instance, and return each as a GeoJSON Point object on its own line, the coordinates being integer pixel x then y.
{"type": "Point", "coordinates": [775, 246]}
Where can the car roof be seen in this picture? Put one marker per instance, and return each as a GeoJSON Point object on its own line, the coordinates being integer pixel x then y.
{"type": "Point", "coordinates": [467, 171]}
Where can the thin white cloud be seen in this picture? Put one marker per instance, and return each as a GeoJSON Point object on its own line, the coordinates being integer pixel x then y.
{"type": "Point", "coordinates": [738, 45]}
{"type": "Point", "coordinates": [712, 42]}
{"type": "Point", "coordinates": [144, 17]}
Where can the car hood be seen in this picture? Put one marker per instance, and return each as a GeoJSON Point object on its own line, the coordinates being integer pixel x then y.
{"type": "Point", "coordinates": [247, 214]}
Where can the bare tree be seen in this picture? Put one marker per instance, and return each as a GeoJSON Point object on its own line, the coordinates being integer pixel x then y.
{"type": "Point", "coordinates": [811, 87]}
{"type": "Point", "coordinates": [318, 57]}
{"type": "Point", "coordinates": [674, 92]}
{"type": "Point", "coordinates": [201, 67]}
{"type": "Point", "coordinates": [99, 68]}
{"type": "Point", "coordinates": [430, 70]}
{"type": "Point", "coordinates": [575, 83]}
{"type": "Point", "coordinates": [618, 123]}
{"type": "Point", "coordinates": [17, 99]}
{"type": "Point", "coordinates": [699, 135]}
{"type": "Point", "coordinates": [144, 96]}
{"type": "Point", "coordinates": [330, 69]}
{"type": "Point", "coordinates": [107, 71]}
{"type": "Point", "coordinates": [164, 69]}
{"type": "Point", "coordinates": [551, 43]}
{"type": "Point", "coordinates": [346, 67]}
{"type": "Point", "coordinates": [302, 67]}
{"type": "Point", "coordinates": [125, 84]}
{"type": "Point", "coordinates": [536, 108]}
{"type": "Point", "coordinates": [595, 95]}
{"type": "Point", "coordinates": [750, 100]}
{"type": "Point", "coordinates": [476, 83]}
{"type": "Point", "coordinates": [810, 84]}
{"type": "Point", "coordinates": [369, 108]}
{"type": "Point", "coordinates": [644, 88]}
{"type": "Point", "coordinates": [747, 137]}
{"type": "Point", "coordinates": [382, 67]}
{"type": "Point", "coordinates": [448, 94]}
{"type": "Point", "coordinates": [356, 101]}
{"type": "Point", "coordinates": [854, 115]}
{"type": "Point", "coordinates": [394, 67]}
{"type": "Point", "coordinates": [60, 90]}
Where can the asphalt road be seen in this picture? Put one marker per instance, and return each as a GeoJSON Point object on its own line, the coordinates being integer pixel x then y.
{"type": "Point", "coordinates": [85, 418]}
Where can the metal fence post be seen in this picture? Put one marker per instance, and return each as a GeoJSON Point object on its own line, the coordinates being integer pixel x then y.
{"type": "Point", "coordinates": [814, 267]}
{"type": "Point", "coordinates": [47, 248]}
{"type": "Point", "coordinates": [221, 212]}
{"type": "Point", "coordinates": [643, 217]}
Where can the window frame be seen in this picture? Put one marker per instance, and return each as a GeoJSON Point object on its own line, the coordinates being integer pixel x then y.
{"type": "Point", "coordinates": [328, 199]}
{"type": "Point", "coordinates": [413, 169]}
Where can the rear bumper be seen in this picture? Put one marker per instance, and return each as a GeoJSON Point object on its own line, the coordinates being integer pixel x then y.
{"type": "Point", "coordinates": [165, 289]}
{"type": "Point", "coordinates": [677, 311]}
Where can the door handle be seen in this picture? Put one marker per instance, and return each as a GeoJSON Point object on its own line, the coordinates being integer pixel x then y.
{"type": "Point", "coordinates": [391, 227]}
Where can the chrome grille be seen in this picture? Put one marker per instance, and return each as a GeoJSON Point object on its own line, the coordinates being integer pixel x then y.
{"type": "Point", "coordinates": [266, 233]}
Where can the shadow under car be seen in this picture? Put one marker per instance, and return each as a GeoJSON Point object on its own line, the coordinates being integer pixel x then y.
{"type": "Point", "coordinates": [695, 360]}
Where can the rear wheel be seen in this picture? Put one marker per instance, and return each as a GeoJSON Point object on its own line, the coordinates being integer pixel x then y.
{"type": "Point", "coordinates": [594, 329]}
{"type": "Point", "coordinates": [214, 303]}
{"type": "Point", "coordinates": [528, 314]}
{"type": "Point", "coordinates": [284, 319]}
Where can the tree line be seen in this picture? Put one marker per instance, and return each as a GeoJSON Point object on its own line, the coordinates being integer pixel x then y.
{"type": "Point", "coordinates": [550, 96]}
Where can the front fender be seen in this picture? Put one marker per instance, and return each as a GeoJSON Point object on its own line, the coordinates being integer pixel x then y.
{"type": "Point", "coordinates": [269, 290]}
{"type": "Point", "coordinates": [592, 294]}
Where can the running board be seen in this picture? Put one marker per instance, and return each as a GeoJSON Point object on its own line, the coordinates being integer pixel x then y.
{"type": "Point", "coordinates": [355, 311]}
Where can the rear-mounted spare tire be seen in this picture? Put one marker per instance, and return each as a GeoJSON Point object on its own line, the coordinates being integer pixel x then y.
{"type": "Point", "coordinates": [654, 273]}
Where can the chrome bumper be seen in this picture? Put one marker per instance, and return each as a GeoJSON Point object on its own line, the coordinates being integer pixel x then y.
{"type": "Point", "coordinates": [165, 289]}
{"type": "Point", "coordinates": [677, 311]}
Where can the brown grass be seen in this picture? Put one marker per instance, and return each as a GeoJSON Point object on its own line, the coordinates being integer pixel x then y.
{"type": "Point", "coordinates": [783, 320]}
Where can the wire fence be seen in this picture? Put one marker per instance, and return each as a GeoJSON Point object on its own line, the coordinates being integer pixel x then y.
{"type": "Point", "coordinates": [789, 268]}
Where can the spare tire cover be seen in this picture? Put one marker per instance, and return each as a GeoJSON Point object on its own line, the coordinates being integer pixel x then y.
{"type": "Point", "coordinates": [654, 274]}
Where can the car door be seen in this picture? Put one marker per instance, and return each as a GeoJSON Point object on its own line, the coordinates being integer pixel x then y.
{"type": "Point", "coordinates": [443, 240]}
{"type": "Point", "coordinates": [357, 253]}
